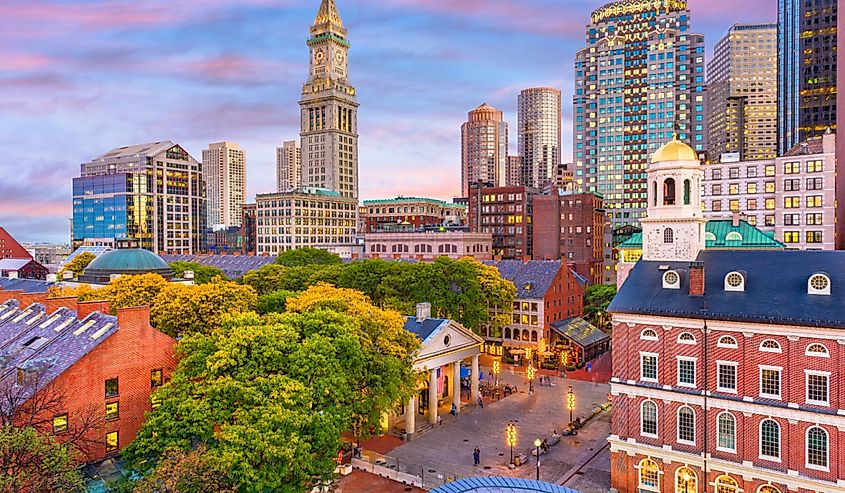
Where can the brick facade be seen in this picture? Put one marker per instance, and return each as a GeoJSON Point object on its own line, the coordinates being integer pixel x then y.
{"type": "Point", "coordinates": [10, 248]}
{"type": "Point", "coordinates": [505, 213]}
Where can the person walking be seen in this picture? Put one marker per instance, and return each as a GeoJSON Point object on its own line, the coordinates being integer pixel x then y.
{"type": "Point", "coordinates": [480, 400]}
{"type": "Point", "coordinates": [476, 456]}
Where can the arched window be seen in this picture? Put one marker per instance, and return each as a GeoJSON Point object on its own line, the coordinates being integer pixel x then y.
{"type": "Point", "coordinates": [733, 236]}
{"type": "Point", "coordinates": [686, 338]}
{"type": "Point", "coordinates": [818, 284]}
{"type": "Point", "coordinates": [671, 280]}
{"type": "Point", "coordinates": [770, 439]}
{"type": "Point", "coordinates": [734, 281]}
{"type": "Point", "coordinates": [726, 432]}
{"type": "Point", "coordinates": [507, 332]}
{"type": "Point", "coordinates": [727, 342]}
{"type": "Point", "coordinates": [669, 191]}
{"type": "Point", "coordinates": [686, 192]}
{"type": "Point", "coordinates": [533, 336]}
{"type": "Point", "coordinates": [654, 193]}
{"type": "Point", "coordinates": [648, 420]}
{"type": "Point", "coordinates": [648, 334]}
{"type": "Point", "coordinates": [686, 480]}
{"type": "Point", "coordinates": [668, 236]}
{"type": "Point", "coordinates": [686, 425]}
{"type": "Point", "coordinates": [649, 475]}
{"type": "Point", "coordinates": [726, 484]}
{"type": "Point", "coordinates": [708, 236]}
{"type": "Point", "coordinates": [770, 346]}
{"type": "Point", "coordinates": [817, 448]}
{"type": "Point", "coordinates": [516, 334]}
{"type": "Point", "coordinates": [818, 350]}
{"type": "Point", "coordinates": [767, 488]}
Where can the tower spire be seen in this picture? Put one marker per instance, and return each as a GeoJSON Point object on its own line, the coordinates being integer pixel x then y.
{"type": "Point", "coordinates": [328, 20]}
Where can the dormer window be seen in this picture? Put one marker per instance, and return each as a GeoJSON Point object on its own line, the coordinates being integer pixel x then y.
{"type": "Point", "coordinates": [818, 284]}
{"type": "Point", "coordinates": [734, 281]}
{"type": "Point", "coordinates": [708, 236]}
{"type": "Point", "coordinates": [727, 342]}
{"type": "Point", "coordinates": [671, 280]}
{"type": "Point", "coordinates": [648, 335]}
{"type": "Point", "coordinates": [817, 350]}
{"type": "Point", "coordinates": [733, 236]}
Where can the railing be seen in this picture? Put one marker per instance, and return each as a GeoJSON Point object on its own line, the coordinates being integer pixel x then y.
{"type": "Point", "coordinates": [402, 471]}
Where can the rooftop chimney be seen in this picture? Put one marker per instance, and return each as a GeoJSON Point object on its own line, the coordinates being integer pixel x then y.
{"type": "Point", "coordinates": [696, 279]}
{"type": "Point", "coordinates": [423, 311]}
{"type": "Point", "coordinates": [735, 219]}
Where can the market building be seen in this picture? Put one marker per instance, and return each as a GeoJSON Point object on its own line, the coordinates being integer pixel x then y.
{"type": "Point", "coordinates": [428, 245]}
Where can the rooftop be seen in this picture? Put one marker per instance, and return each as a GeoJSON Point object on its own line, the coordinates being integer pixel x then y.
{"type": "Point", "coordinates": [532, 278]}
{"type": "Point", "coordinates": [425, 329]}
{"type": "Point", "coordinates": [122, 261]}
{"type": "Point", "coordinates": [150, 149]}
{"type": "Point", "coordinates": [501, 485]}
{"type": "Point", "coordinates": [579, 331]}
{"type": "Point", "coordinates": [233, 266]}
{"type": "Point", "coordinates": [413, 199]}
{"type": "Point", "coordinates": [716, 236]}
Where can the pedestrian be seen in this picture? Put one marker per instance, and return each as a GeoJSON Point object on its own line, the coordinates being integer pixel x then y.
{"type": "Point", "coordinates": [476, 456]}
{"type": "Point", "coordinates": [480, 400]}
{"type": "Point", "coordinates": [454, 410]}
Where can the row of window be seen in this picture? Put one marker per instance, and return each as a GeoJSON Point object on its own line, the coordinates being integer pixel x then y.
{"type": "Point", "coordinates": [767, 346]}
{"type": "Point", "coordinates": [818, 284]}
{"type": "Point", "coordinates": [789, 168]}
{"type": "Point", "coordinates": [789, 185]}
{"type": "Point", "coordinates": [686, 480]}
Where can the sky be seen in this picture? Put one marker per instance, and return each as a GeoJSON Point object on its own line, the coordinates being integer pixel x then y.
{"type": "Point", "coordinates": [78, 78]}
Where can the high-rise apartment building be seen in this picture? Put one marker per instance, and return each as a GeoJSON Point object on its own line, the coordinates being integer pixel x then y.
{"type": "Point", "coordinates": [742, 94]}
{"type": "Point", "coordinates": [153, 193]}
{"type": "Point", "coordinates": [538, 115]}
{"type": "Point", "coordinates": [288, 166]}
{"type": "Point", "coordinates": [639, 79]}
{"type": "Point", "coordinates": [513, 173]}
{"type": "Point", "coordinates": [506, 214]}
{"type": "Point", "coordinates": [806, 70]}
{"type": "Point", "coordinates": [224, 172]}
{"type": "Point", "coordinates": [329, 109]}
{"type": "Point", "coordinates": [484, 149]}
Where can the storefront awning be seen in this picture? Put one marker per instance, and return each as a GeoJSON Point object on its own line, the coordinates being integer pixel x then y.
{"type": "Point", "coordinates": [579, 331]}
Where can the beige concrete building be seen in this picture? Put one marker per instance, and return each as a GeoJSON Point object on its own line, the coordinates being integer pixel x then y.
{"type": "Point", "coordinates": [538, 133]}
{"type": "Point", "coordinates": [288, 166]}
{"type": "Point", "coordinates": [514, 171]}
{"type": "Point", "coordinates": [428, 245]}
{"type": "Point", "coordinates": [224, 171]}
{"type": "Point", "coordinates": [484, 148]}
{"type": "Point", "coordinates": [329, 109]}
{"type": "Point", "coordinates": [742, 95]}
{"type": "Point", "coordinates": [308, 217]}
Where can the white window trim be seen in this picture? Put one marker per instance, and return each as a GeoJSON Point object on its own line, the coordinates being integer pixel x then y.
{"type": "Point", "coordinates": [807, 399]}
{"type": "Point", "coordinates": [735, 364]}
{"type": "Point", "coordinates": [694, 371]}
{"type": "Point", "coordinates": [739, 288]}
{"type": "Point", "coordinates": [760, 441]}
{"type": "Point", "coordinates": [666, 284]}
{"type": "Point", "coordinates": [822, 292]}
{"type": "Point", "coordinates": [807, 450]}
{"type": "Point", "coordinates": [678, 426]}
{"type": "Point", "coordinates": [825, 354]}
{"type": "Point", "coordinates": [640, 485]}
{"type": "Point", "coordinates": [656, 367]}
{"type": "Point", "coordinates": [691, 343]}
{"type": "Point", "coordinates": [725, 449]}
{"type": "Point", "coordinates": [771, 350]}
{"type": "Point", "coordinates": [735, 345]}
{"type": "Point", "coordinates": [780, 381]}
{"type": "Point", "coordinates": [656, 420]}
{"type": "Point", "coordinates": [648, 338]}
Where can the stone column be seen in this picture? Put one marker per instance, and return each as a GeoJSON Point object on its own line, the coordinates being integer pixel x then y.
{"type": "Point", "coordinates": [432, 396]}
{"type": "Point", "coordinates": [411, 415]}
{"type": "Point", "coordinates": [456, 385]}
{"type": "Point", "coordinates": [473, 388]}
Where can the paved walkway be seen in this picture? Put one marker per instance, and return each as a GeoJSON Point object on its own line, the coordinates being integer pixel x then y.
{"type": "Point", "coordinates": [364, 482]}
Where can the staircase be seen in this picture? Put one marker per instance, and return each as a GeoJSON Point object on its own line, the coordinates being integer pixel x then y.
{"type": "Point", "coordinates": [421, 427]}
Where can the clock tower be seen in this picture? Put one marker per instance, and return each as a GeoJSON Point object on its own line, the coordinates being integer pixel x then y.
{"type": "Point", "coordinates": [329, 109]}
{"type": "Point", "coordinates": [674, 227]}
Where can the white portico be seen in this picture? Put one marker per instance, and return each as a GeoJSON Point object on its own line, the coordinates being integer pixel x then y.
{"type": "Point", "coordinates": [445, 345]}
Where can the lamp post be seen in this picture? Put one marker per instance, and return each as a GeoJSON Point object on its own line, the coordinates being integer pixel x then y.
{"type": "Point", "coordinates": [530, 372]}
{"type": "Point", "coordinates": [570, 402]}
{"type": "Point", "coordinates": [537, 444]}
{"type": "Point", "coordinates": [510, 437]}
{"type": "Point", "coordinates": [686, 478]}
{"type": "Point", "coordinates": [497, 366]}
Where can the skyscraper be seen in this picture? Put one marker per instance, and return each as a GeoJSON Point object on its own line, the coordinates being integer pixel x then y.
{"type": "Point", "coordinates": [484, 148]}
{"type": "Point", "coordinates": [742, 92]}
{"type": "Point", "coordinates": [329, 109]}
{"type": "Point", "coordinates": [806, 70]}
{"type": "Point", "coordinates": [539, 134]}
{"type": "Point", "coordinates": [224, 172]}
{"type": "Point", "coordinates": [639, 80]}
{"type": "Point", "coordinates": [288, 165]}
{"type": "Point", "coordinates": [514, 171]}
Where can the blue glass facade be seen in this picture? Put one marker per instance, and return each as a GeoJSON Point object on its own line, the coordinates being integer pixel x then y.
{"type": "Point", "coordinates": [789, 73]}
{"type": "Point", "coordinates": [100, 207]}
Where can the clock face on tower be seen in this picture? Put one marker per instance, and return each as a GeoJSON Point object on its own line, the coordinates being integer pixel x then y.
{"type": "Point", "coordinates": [338, 57]}
{"type": "Point", "coordinates": [319, 56]}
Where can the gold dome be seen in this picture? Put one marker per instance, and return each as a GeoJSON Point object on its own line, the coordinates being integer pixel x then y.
{"type": "Point", "coordinates": [674, 150]}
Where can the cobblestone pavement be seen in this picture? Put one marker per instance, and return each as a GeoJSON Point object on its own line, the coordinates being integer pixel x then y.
{"type": "Point", "coordinates": [447, 450]}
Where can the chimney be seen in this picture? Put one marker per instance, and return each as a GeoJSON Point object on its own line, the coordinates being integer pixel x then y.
{"type": "Point", "coordinates": [735, 219]}
{"type": "Point", "coordinates": [696, 279]}
{"type": "Point", "coordinates": [423, 311]}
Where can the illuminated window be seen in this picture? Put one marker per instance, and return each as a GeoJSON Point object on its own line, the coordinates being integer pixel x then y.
{"type": "Point", "coordinates": [60, 423]}
{"type": "Point", "coordinates": [156, 378]}
{"type": "Point", "coordinates": [649, 476]}
{"type": "Point", "coordinates": [686, 480]}
{"type": "Point", "coordinates": [112, 441]}
{"type": "Point", "coordinates": [112, 411]}
{"type": "Point", "coordinates": [726, 484]}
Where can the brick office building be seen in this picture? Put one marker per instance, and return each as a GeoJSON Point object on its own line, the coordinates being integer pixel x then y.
{"type": "Point", "coordinates": [570, 225]}
{"type": "Point", "coordinates": [505, 213]}
{"type": "Point", "coordinates": [726, 371]}
{"type": "Point", "coordinates": [98, 363]}
{"type": "Point", "coordinates": [417, 213]}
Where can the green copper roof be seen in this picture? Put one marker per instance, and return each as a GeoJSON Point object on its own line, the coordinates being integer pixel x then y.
{"type": "Point", "coordinates": [718, 235]}
{"type": "Point", "coordinates": [413, 199]}
{"type": "Point", "coordinates": [128, 260]}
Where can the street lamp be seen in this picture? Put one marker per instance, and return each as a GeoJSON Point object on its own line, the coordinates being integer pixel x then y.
{"type": "Point", "coordinates": [686, 478]}
{"type": "Point", "coordinates": [497, 366]}
{"type": "Point", "coordinates": [570, 402]}
{"type": "Point", "coordinates": [537, 444]}
{"type": "Point", "coordinates": [530, 372]}
{"type": "Point", "coordinates": [510, 437]}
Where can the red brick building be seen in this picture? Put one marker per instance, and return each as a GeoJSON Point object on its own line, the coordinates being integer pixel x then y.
{"type": "Point", "coordinates": [571, 226]}
{"type": "Point", "coordinates": [410, 213]}
{"type": "Point", "coordinates": [10, 248]}
{"type": "Point", "coordinates": [505, 213]}
{"type": "Point", "coordinates": [101, 365]}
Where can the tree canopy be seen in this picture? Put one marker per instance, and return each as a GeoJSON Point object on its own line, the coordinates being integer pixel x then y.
{"type": "Point", "coordinates": [78, 264]}
{"type": "Point", "coordinates": [36, 462]}
{"type": "Point", "coordinates": [203, 274]}
{"type": "Point", "coordinates": [307, 256]}
{"type": "Point", "coordinates": [597, 297]}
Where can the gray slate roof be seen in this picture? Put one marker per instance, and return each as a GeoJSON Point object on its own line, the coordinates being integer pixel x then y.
{"type": "Point", "coordinates": [532, 279]}
{"type": "Point", "coordinates": [580, 331]}
{"type": "Point", "coordinates": [501, 485]}
{"type": "Point", "coordinates": [25, 285]}
{"type": "Point", "coordinates": [775, 288]}
{"type": "Point", "coordinates": [233, 266]}
{"type": "Point", "coordinates": [425, 329]}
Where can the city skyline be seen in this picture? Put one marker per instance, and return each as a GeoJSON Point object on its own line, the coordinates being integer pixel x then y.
{"type": "Point", "coordinates": [240, 81]}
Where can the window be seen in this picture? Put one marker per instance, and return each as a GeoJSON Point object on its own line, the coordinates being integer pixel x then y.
{"type": "Point", "coordinates": [648, 421]}
{"type": "Point", "coordinates": [671, 280]}
{"type": "Point", "coordinates": [733, 189]}
{"type": "Point", "coordinates": [727, 342]}
{"type": "Point", "coordinates": [817, 349]}
{"type": "Point", "coordinates": [791, 168]}
{"type": "Point", "coordinates": [751, 204]}
{"type": "Point", "coordinates": [669, 191]}
{"type": "Point", "coordinates": [726, 431]}
{"type": "Point", "coordinates": [814, 237]}
{"type": "Point", "coordinates": [792, 202]}
{"type": "Point", "coordinates": [769, 219]}
{"type": "Point", "coordinates": [716, 189]}
{"type": "Point", "coordinates": [156, 378]}
{"type": "Point", "coordinates": [770, 440]}
{"type": "Point", "coordinates": [648, 334]}
{"type": "Point", "coordinates": [733, 205]}
{"type": "Point", "coordinates": [770, 381]}
{"type": "Point", "coordinates": [814, 219]}
{"type": "Point", "coordinates": [733, 173]}
{"type": "Point", "coordinates": [770, 205]}
{"type": "Point", "coordinates": [814, 201]}
{"type": "Point", "coordinates": [686, 371]}
{"type": "Point", "coordinates": [668, 236]}
{"type": "Point", "coordinates": [686, 338]}
{"type": "Point", "coordinates": [155, 401]}
{"type": "Point", "coordinates": [111, 387]}
{"type": "Point", "coordinates": [769, 170]}
{"type": "Point", "coordinates": [686, 481]}
{"type": "Point", "coordinates": [817, 448]}
{"type": "Point", "coordinates": [767, 488]}
{"type": "Point", "coordinates": [792, 219]}
{"type": "Point", "coordinates": [726, 376]}
{"type": "Point", "coordinates": [112, 411]}
{"type": "Point", "coordinates": [648, 367]}
{"type": "Point", "coordinates": [112, 442]}
{"type": "Point", "coordinates": [769, 187]}
{"type": "Point", "coordinates": [791, 185]}
{"type": "Point", "coordinates": [716, 206]}
{"type": "Point", "coordinates": [60, 423]}
{"type": "Point", "coordinates": [818, 383]}
{"type": "Point", "coordinates": [726, 484]}
{"type": "Point", "coordinates": [686, 425]}
{"type": "Point", "coordinates": [770, 346]}
{"type": "Point", "coordinates": [751, 172]}
{"type": "Point", "coordinates": [815, 166]}
{"type": "Point", "coordinates": [734, 281]}
{"type": "Point", "coordinates": [649, 475]}
{"type": "Point", "coordinates": [791, 236]}
{"type": "Point", "coordinates": [686, 192]}
{"type": "Point", "coordinates": [815, 183]}
{"type": "Point", "coordinates": [818, 284]}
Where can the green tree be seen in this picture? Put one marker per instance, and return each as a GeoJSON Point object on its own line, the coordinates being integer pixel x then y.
{"type": "Point", "coordinates": [307, 256]}
{"type": "Point", "coordinates": [203, 274]}
{"type": "Point", "coordinates": [78, 264]}
{"type": "Point", "coordinates": [269, 397]}
{"type": "Point", "coordinates": [181, 471]}
{"type": "Point", "coordinates": [274, 302]}
{"type": "Point", "coordinates": [125, 291]}
{"type": "Point", "coordinates": [181, 309]}
{"type": "Point", "coordinates": [35, 462]}
{"type": "Point", "coordinates": [597, 297]}
{"type": "Point", "coordinates": [267, 279]}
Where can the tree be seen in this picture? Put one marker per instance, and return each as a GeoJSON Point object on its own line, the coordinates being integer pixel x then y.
{"type": "Point", "coordinates": [125, 291]}
{"type": "Point", "coordinates": [78, 264]}
{"type": "Point", "coordinates": [307, 256]}
{"type": "Point", "coordinates": [267, 279]}
{"type": "Point", "coordinates": [181, 309]}
{"type": "Point", "coordinates": [597, 297]}
{"type": "Point", "coordinates": [274, 302]}
{"type": "Point", "coordinates": [203, 274]}
{"type": "Point", "coordinates": [269, 396]}
{"type": "Point", "coordinates": [35, 462]}
{"type": "Point", "coordinates": [181, 471]}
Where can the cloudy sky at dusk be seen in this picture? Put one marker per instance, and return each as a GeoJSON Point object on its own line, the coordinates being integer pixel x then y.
{"type": "Point", "coordinates": [78, 78]}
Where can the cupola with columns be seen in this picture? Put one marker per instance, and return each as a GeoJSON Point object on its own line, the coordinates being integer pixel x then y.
{"type": "Point", "coordinates": [673, 229]}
